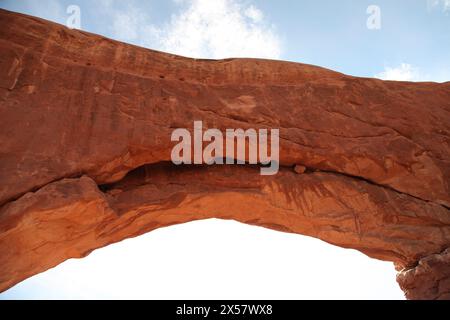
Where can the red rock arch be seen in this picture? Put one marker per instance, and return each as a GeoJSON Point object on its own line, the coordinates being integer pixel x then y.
{"type": "Point", "coordinates": [85, 144]}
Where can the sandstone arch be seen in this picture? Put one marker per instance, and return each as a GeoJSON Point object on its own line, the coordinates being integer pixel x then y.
{"type": "Point", "coordinates": [85, 140]}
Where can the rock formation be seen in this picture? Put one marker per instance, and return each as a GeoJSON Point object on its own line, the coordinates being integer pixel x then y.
{"type": "Point", "coordinates": [85, 126]}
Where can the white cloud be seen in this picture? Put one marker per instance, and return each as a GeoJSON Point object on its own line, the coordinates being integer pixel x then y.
{"type": "Point", "coordinates": [444, 4]}
{"type": "Point", "coordinates": [407, 72]}
{"type": "Point", "coordinates": [404, 72]}
{"type": "Point", "coordinates": [202, 29]}
{"type": "Point", "coordinates": [219, 29]}
{"type": "Point", "coordinates": [254, 14]}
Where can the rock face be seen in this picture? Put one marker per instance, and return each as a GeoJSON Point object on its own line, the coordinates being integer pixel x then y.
{"type": "Point", "coordinates": [85, 148]}
{"type": "Point", "coordinates": [430, 279]}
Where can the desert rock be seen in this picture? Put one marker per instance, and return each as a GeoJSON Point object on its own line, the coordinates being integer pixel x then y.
{"type": "Point", "coordinates": [85, 152]}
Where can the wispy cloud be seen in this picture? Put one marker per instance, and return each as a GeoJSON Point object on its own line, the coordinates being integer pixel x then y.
{"type": "Point", "coordinates": [408, 72]}
{"type": "Point", "coordinates": [202, 29]}
{"type": "Point", "coordinates": [444, 4]}
{"type": "Point", "coordinates": [219, 29]}
{"type": "Point", "coordinates": [254, 14]}
{"type": "Point", "coordinates": [404, 72]}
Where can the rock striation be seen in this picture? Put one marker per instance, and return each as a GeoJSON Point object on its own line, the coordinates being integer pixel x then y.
{"type": "Point", "coordinates": [85, 153]}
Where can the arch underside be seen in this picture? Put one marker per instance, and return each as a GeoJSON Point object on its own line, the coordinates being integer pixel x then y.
{"type": "Point", "coordinates": [71, 217]}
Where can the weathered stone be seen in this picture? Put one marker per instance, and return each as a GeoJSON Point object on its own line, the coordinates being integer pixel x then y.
{"type": "Point", "coordinates": [430, 279]}
{"type": "Point", "coordinates": [299, 169]}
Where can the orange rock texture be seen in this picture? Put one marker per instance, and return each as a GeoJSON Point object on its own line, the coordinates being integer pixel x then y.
{"type": "Point", "coordinates": [85, 152]}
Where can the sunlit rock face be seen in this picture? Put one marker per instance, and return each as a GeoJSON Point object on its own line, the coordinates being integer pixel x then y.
{"type": "Point", "coordinates": [429, 279]}
{"type": "Point", "coordinates": [85, 149]}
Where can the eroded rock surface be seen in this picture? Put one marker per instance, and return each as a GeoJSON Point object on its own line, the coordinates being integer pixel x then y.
{"type": "Point", "coordinates": [430, 279]}
{"type": "Point", "coordinates": [85, 144]}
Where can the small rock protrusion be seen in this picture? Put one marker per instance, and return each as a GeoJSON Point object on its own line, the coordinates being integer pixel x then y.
{"type": "Point", "coordinates": [299, 169]}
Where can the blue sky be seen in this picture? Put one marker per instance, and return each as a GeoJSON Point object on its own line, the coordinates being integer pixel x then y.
{"type": "Point", "coordinates": [190, 261]}
{"type": "Point", "coordinates": [413, 42]}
